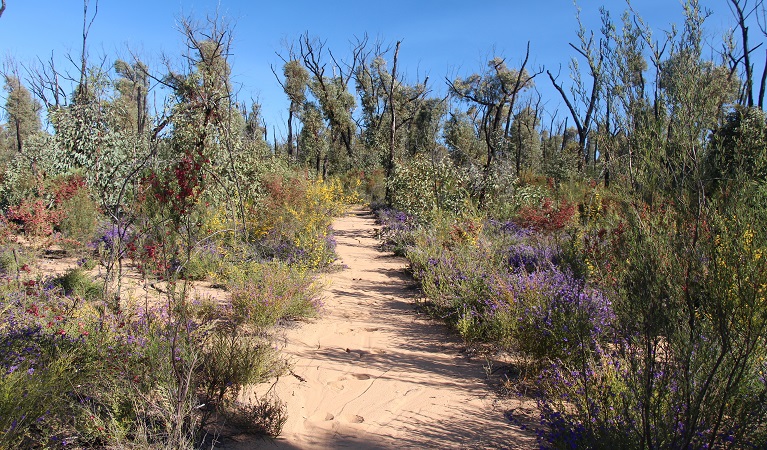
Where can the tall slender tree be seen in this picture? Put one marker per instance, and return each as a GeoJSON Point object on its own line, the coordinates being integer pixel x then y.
{"type": "Point", "coordinates": [329, 85]}
{"type": "Point", "coordinates": [21, 111]}
{"type": "Point", "coordinates": [494, 94]}
{"type": "Point", "coordinates": [296, 81]}
{"type": "Point", "coordinates": [132, 88]}
{"type": "Point", "coordinates": [584, 100]}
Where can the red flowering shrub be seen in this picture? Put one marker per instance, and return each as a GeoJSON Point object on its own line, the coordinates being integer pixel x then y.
{"type": "Point", "coordinates": [59, 200]}
{"type": "Point", "coordinates": [547, 217]}
{"type": "Point", "coordinates": [180, 188]}
{"type": "Point", "coordinates": [67, 188]}
{"type": "Point", "coordinates": [35, 217]}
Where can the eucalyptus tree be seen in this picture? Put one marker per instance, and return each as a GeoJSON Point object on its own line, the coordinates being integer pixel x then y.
{"type": "Point", "coordinates": [131, 110]}
{"type": "Point", "coordinates": [739, 54]}
{"type": "Point", "coordinates": [329, 86]}
{"type": "Point", "coordinates": [423, 130]}
{"type": "Point", "coordinates": [202, 90]}
{"type": "Point", "coordinates": [254, 126]}
{"type": "Point", "coordinates": [462, 139]}
{"type": "Point", "coordinates": [296, 81]}
{"type": "Point", "coordinates": [22, 112]}
{"type": "Point", "coordinates": [82, 84]}
{"type": "Point", "coordinates": [372, 94]}
{"type": "Point", "coordinates": [628, 108]}
{"type": "Point", "coordinates": [494, 94]}
{"type": "Point", "coordinates": [526, 139]}
{"type": "Point", "coordinates": [46, 83]}
{"type": "Point", "coordinates": [583, 99]}
{"type": "Point", "coordinates": [313, 138]}
{"type": "Point", "coordinates": [397, 116]}
{"type": "Point", "coordinates": [211, 142]}
{"type": "Point", "coordinates": [693, 95]}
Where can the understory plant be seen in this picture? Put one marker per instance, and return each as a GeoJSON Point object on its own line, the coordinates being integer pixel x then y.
{"type": "Point", "coordinates": [643, 323]}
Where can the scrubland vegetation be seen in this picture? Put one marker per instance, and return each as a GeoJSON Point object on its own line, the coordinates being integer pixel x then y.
{"type": "Point", "coordinates": [620, 260]}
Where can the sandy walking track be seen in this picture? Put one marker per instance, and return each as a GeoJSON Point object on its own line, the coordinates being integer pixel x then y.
{"type": "Point", "coordinates": [371, 373]}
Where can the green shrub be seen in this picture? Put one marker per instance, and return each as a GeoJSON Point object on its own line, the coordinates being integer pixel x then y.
{"type": "Point", "coordinates": [422, 187]}
{"type": "Point", "coordinates": [203, 263]}
{"type": "Point", "coordinates": [271, 292]}
{"type": "Point", "coordinates": [80, 217]}
{"type": "Point", "coordinates": [75, 282]}
{"type": "Point", "coordinates": [231, 359]}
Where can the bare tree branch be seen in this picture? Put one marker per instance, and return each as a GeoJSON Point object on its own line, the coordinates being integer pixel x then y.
{"type": "Point", "coordinates": [84, 54]}
{"type": "Point", "coordinates": [741, 16]}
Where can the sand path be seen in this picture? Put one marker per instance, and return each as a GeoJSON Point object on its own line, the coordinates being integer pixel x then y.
{"type": "Point", "coordinates": [372, 373]}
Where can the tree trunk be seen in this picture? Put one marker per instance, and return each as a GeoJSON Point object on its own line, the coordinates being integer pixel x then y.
{"type": "Point", "coordinates": [290, 131]}
{"type": "Point", "coordinates": [393, 128]}
{"type": "Point", "coordinates": [17, 124]}
{"type": "Point", "coordinates": [762, 85]}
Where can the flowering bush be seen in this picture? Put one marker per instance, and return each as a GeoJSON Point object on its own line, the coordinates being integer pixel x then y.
{"type": "Point", "coordinates": [547, 217]}
{"type": "Point", "coordinates": [270, 292]}
{"type": "Point", "coordinates": [421, 187]}
{"type": "Point", "coordinates": [35, 217]}
{"type": "Point", "coordinates": [61, 204]}
{"type": "Point", "coordinates": [645, 323]}
{"type": "Point", "coordinates": [292, 222]}
{"type": "Point", "coordinates": [396, 230]}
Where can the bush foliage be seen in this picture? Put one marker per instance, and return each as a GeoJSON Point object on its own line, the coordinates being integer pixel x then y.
{"type": "Point", "coordinates": [621, 261]}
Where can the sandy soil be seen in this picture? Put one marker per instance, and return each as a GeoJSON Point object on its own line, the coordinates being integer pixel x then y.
{"type": "Point", "coordinates": [373, 373]}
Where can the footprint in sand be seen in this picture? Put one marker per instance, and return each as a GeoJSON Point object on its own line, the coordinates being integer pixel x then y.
{"type": "Point", "coordinates": [355, 418]}
{"type": "Point", "coordinates": [327, 417]}
{"type": "Point", "coordinates": [339, 382]}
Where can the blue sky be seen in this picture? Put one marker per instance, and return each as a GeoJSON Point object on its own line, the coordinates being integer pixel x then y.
{"type": "Point", "coordinates": [439, 38]}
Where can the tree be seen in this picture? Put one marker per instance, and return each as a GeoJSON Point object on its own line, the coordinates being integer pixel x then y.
{"type": "Point", "coordinates": [372, 94]}
{"type": "Point", "coordinates": [82, 90]}
{"type": "Point", "coordinates": [695, 93]}
{"type": "Point", "coordinates": [313, 138]}
{"type": "Point", "coordinates": [424, 128]}
{"type": "Point", "coordinates": [21, 111]}
{"type": "Point", "coordinates": [494, 93]}
{"type": "Point", "coordinates": [396, 115]}
{"type": "Point", "coordinates": [525, 139]}
{"type": "Point", "coordinates": [740, 59]}
{"type": "Point", "coordinates": [739, 148]}
{"type": "Point", "coordinates": [461, 138]}
{"type": "Point", "coordinates": [582, 96]}
{"type": "Point", "coordinates": [295, 85]}
{"type": "Point", "coordinates": [392, 121]}
{"type": "Point", "coordinates": [331, 91]}
{"type": "Point", "coordinates": [627, 105]}
{"type": "Point", "coordinates": [130, 107]}
{"type": "Point", "coordinates": [205, 120]}
{"type": "Point", "coordinates": [255, 129]}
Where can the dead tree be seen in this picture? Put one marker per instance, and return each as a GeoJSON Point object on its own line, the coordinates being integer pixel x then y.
{"type": "Point", "coordinates": [594, 55]}
{"type": "Point", "coordinates": [743, 10]}
{"type": "Point", "coordinates": [329, 96]}
{"type": "Point", "coordinates": [495, 94]}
